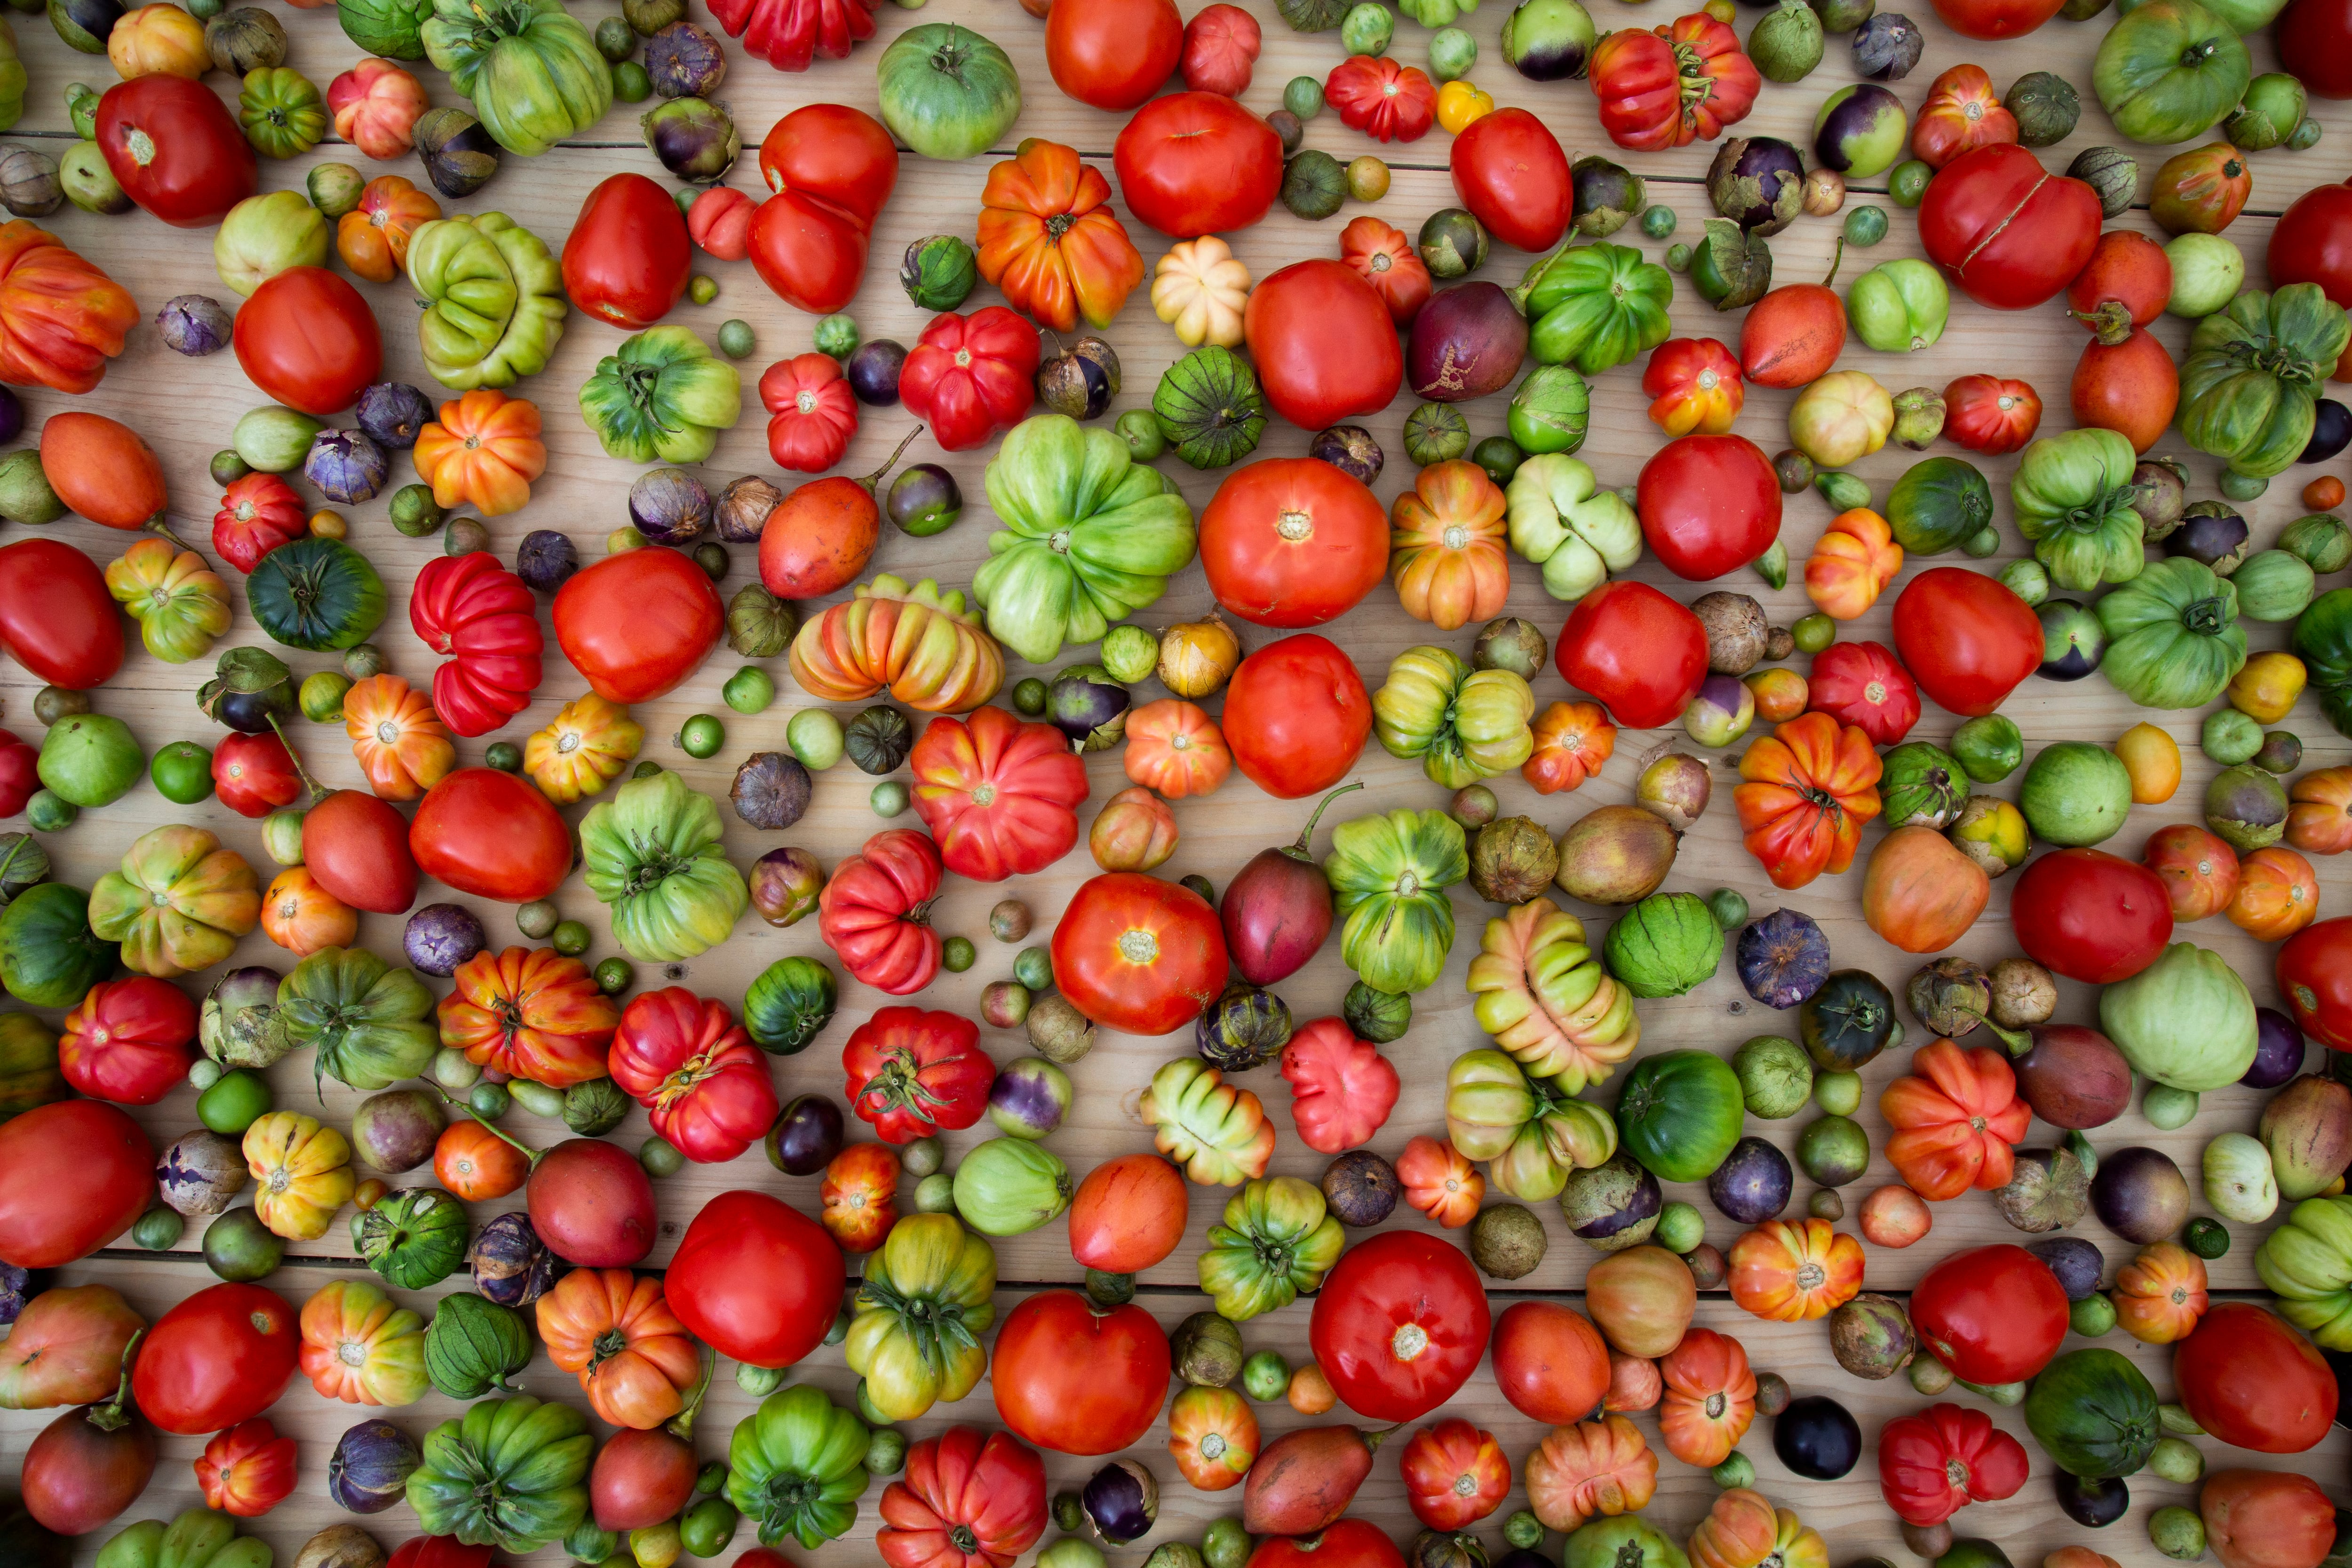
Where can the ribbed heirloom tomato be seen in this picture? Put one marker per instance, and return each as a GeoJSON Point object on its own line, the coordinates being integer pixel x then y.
{"type": "Point", "coordinates": [1197, 162]}
{"type": "Point", "coordinates": [1297, 716]}
{"type": "Point", "coordinates": [1399, 1325]}
{"type": "Point", "coordinates": [1136, 954]}
{"type": "Point", "coordinates": [1293, 541]}
{"type": "Point", "coordinates": [1077, 1378]}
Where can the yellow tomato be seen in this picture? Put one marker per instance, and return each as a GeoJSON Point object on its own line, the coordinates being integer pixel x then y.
{"type": "Point", "coordinates": [2265, 689]}
{"type": "Point", "coordinates": [2153, 761]}
{"type": "Point", "coordinates": [1460, 103]}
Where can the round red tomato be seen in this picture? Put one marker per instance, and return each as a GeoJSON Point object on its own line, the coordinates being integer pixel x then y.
{"type": "Point", "coordinates": [2129, 275]}
{"type": "Point", "coordinates": [1324, 344]}
{"type": "Point", "coordinates": [2315, 975]}
{"type": "Point", "coordinates": [1991, 19]}
{"type": "Point", "coordinates": [638, 623]}
{"type": "Point", "coordinates": [1348, 1543]}
{"type": "Point", "coordinates": [1139, 954]}
{"type": "Point", "coordinates": [1293, 541]}
{"type": "Point", "coordinates": [176, 151]}
{"type": "Point", "coordinates": [592, 1203]}
{"type": "Point", "coordinates": [57, 619]}
{"type": "Point", "coordinates": [1129, 1215]}
{"type": "Point", "coordinates": [492, 835]}
{"type": "Point", "coordinates": [1640, 653]}
{"type": "Point", "coordinates": [1510, 173]}
{"type": "Point", "coordinates": [1197, 162]}
{"type": "Point", "coordinates": [756, 1279]}
{"type": "Point", "coordinates": [1297, 716]}
{"type": "Point", "coordinates": [309, 341]}
{"type": "Point", "coordinates": [1709, 504]}
{"type": "Point", "coordinates": [1550, 1362]}
{"type": "Point", "coordinates": [2250, 1379]}
{"type": "Point", "coordinates": [1113, 54]}
{"type": "Point", "coordinates": [222, 1356]}
{"type": "Point", "coordinates": [254, 775]}
{"type": "Point", "coordinates": [628, 256]}
{"type": "Point", "coordinates": [1966, 638]}
{"type": "Point", "coordinates": [1077, 1378]}
{"type": "Point", "coordinates": [357, 847]}
{"type": "Point", "coordinates": [1992, 1314]}
{"type": "Point", "coordinates": [1399, 1325]}
{"type": "Point", "coordinates": [73, 1176]}
{"type": "Point", "coordinates": [2312, 240]}
{"type": "Point", "coordinates": [2091, 916]}
{"type": "Point", "coordinates": [2317, 35]}
{"type": "Point", "coordinates": [2008, 232]}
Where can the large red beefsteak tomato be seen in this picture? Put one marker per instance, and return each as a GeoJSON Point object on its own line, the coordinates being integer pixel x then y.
{"type": "Point", "coordinates": [2010, 232]}
{"type": "Point", "coordinates": [1641, 653]}
{"type": "Point", "coordinates": [832, 168]}
{"type": "Point", "coordinates": [73, 1175]}
{"type": "Point", "coordinates": [2250, 1379]}
{"type": "Point", "coordinates": [2091, 916]}
{"type": "Point", "coordinates": [175, 150]}
{"type": "Point", "coordinates": [999, 795]}
{"type": "Point", "coordinates": [490, 834]}
{"type": "Point", "coordinates": [1297, 716]}
{"type": "Point", "coordinates": [1113, 54]}
{"type": "Point", "coordinates": [57, 619]}
{"type": "Point", "coordinates": [1293, 541]}
{"type": "Point", "coordinates": [307, 339]}
{"type": "Point", "coordinates": [222, 1356]}
{"type": "Point", "coordinates": [1511, 174]}
{"type": "Point", "coordinates": [1197, 162]}
{"type": "Point", "coordinates": [695, 1070]}
{"type": "Point", "coordinates": [1077, 1378]}
{"type": "Point", "coordinates": [1966, 638]}
{"type": "Point", "coordinates": [1993, 1314]}
{"type": "Point", "coordinates": [2317, 35]}
{"type": "Point", "coordinates": [1346, 1543]}
{"type": "Point", "coordinates": [1709, 504]}
{"type": "Point", "coordinates": [756, 1279]}
{"type": "Point", "coordinates": [1399, 1325]}
{"type": "Point", "coordinates": [1139, 954]}
{"type": "Point", "coordinates": [628, 256]}
{"type": "Point", "coordinates": [357, 847]}
{"type": "Point", "coordinates": [638, 623]}
{"type": "Point", "coordinates": [2315, 976]}
{"type": "Point", "coordinates": [1323, 343]}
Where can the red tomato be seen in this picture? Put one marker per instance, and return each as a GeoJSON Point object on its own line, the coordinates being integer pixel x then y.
{"type": "Point", "coordinates": [1642, 654]}
{"type": "Point", "coordinates": [1197, 162]}
{"type": "Point", "coordinates": [1966, 638]}
{"type": "Point", "coordinates": [2091, 916]}
{"type": "Point", "coordinates": [1399, 1325]}
{"type": "Point", "coordinates": [2315, 975]}
{"type": "Point", "coordinates": [1510, 173]}
{"type": "Point", "coordinates": [1129, 1215]}
{"type": "Point", "coordinates": [2312, 240]}
{"type": "Point", "coordinates": [2129, 386]}
{"type": "Point", "coordinates": [1550, 1362]}
{"type": "Point", "coordinates": [492, 835]}
{"type": "Point", "coordinates": [999, 795]}
{"type": "Point", "coordinates": [57, 619]}
{"type": "Point", "coordinates": [1987, 414]}
{"type": "Point", "coordinates": [222, 1356]}
{"type": "Point", "coordinates": [628, 256]}
{"type": "Point", "coordinates": [756, 1279]}
{"type": "Point", "coordinates": [1139, 954]}
{"type": "Point", "coordinates": [640, 1478]}
{"type": "Point", "coordinates": [2010, 232]}
{"type": "Point", "coordinates": [592, 1204]}
{"type": "Point", "coordinates": [254, 775]}
{"type": "Point", "coordinates": [1991, 19]}
{"type": "Point", "coordinates": [1324, 344]}
{"type": "Point", "coordinates": [2250, 1379]}
{"type": "Point", "coordinates": [970, 378]}
{"type": "Point", "coordinates": [1992, 1314]}
{"type": "Point", "coordinates": [1293, 541]}
{"type": "Point", "coordinates": [19, 773]}
{"type": "Point", "coordinates": [1113, 54]}
{"type": "Point", "coordinates": [357, 847]}
{"type": "Point", "coordinates": [832, 167]}
{"type": "Point", "coordinates": [2317, 35]}
{"type": "Point", "coordinates": [1348, 1543]}
{"type": "Point", "coordinates": [695, 1070]}
{"type": "Point", "coordinates": [73, 1176]}
{"type": "Point", "coordinates": [1709, 504]}
{"type": "Point", "coordinates": [638, 623]}
{"type": "Point", "coordinates": [1073, 1378]}
{"type": "Point", "coordinates": [1221, 45]}
{"type": "Point", "coordinates": [1297, 716]}
{"type": "Point", "coordinates": [1864, 684]}
{"type": "Point", "coordinates": [176, 151]}
{"type": "Point", "coordinates": [129, 1040]}
{"type": "Point", "coordinates": [2127, 278]}
{"type": "Point", "coordinates": [2266, 1518]}
{"type": "Point", "coordinates": [309, 341]}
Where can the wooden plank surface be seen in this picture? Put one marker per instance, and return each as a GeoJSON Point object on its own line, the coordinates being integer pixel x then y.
{"type": "Point", "coordinates": [185, 409]}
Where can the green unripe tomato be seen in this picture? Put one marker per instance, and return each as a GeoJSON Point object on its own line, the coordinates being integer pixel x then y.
{"type": "Point", "coordinates": [2208, 1239]}
{"type": "Point", "coordinates": [837, 335]}
{"type": "Point", "coordinates": [1266, 1375]}
{"type": "Point", "coordinates": [701, 736]}
{"type": "Point", "coordinates": [1500, 457]}
{"type": "Point", "coordinates": [1985, 542]}
{"type": "Point", "coordinates": [2092, 1316]}
{"type": "Point", "coordinates": [1908, 184]}
{"type": "Point", "coordinates": [702, 289]}
{"type": "Point", "coordinates": [815, 738]}
{"type": "Point", "coordinates": [632, 85]}
{"type": "Point", "coordinates": [160, 1228]}
{"type": "Point", "coordinates": [1303, 96]}
{"type": "Point", "coordinates": [660, 1157]}
{"type": "Point", "coordinates": [49, 812]}
{"type": "Point", "coordinates": [236, 1099]}
{"type": "Point", "coordinates": [748, 691]}
{"type": "Point", "coordinates": [490, 1102]}
{"type": "Point", "coordinates": [536, 918]}
{"type": "Point", "coordinates": [240, 1248]}
{"type": "Point", "coordinates": [1839, 1093]}
{"type": "Point", "coordinates": [1524, 1531]}
{"type": "Point", "coordinates": [735, 339]}
{"type": "Point", "coordinates": [1866, 225]}
{"type": "Point", "coordinates": [1739, 1470]}
{"type": "Point", "coordinates": [205, 1073]}
{"type": "Point", "coordinates": [867, 1408]}
{"type": "Point", "coordinates": [1679, 259]}
{"type": "Point", "coordinates": [569, 938]}
{"type": "Point", "coordinates": [1658, 222]}
{"type": "Point", "coordinates": [888, 799]}
{"type": "Point", "coordinates": [2176, 1532]}
{"type": "Point", "coordinates": [1452, 53]}
{"type": "Point", "coordinates": [1130, 654]}
{"type": "Point", "coordinates": [321, 696]}
{"type": "Point", "coordinates": [708, 1528]}
{"type": "Point", "coordinates": [1366, 29]}
{"type": "Point", "coordinates": [2230, 737]}
{"type": "Point", "coordinates": [453, 1071]}
{"type": "Point", "coordinates": [1033, 967]}
{"type": "Point", "coordinates": [1029, 695]}
{"type": "Point", "coordinates": [616, 40]}
{"type": "Point", "coordinates": [614, 975]}
{"type": "Point", "coordinates": [923, 1157]}
{"type": "Point", "coordinates": [2178, 1460]}
{"type": "Point", "coordinates": [957, 954]}
{"type": "Point", "coordinates": [182, 772]}
{"type": "Point", "coordinates": [1814, 633]}
{"type": "Point", "coordinates": [2242, 487]}
{"type": "Point", "coordinates": [935, 1193]}
{"type": "Point", "coordinates": [1225, 1544]}
{"type": "Point", "coordinates": [504, 755]}
{"type": "Point", "coordinates": [228, 467]}
{"type": "Point", "coordinates": [1680, 1227]}
{"type": "Point", "coordinates": [886, 1452]}
{"type": "Point", "coordinates": [1140, 430]}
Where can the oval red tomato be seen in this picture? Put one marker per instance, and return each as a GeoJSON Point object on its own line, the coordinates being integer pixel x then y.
{"type": "Point", "coordinates": [1550, 1363]}
{"type": "Point", "coordinates": [357, 847]}
{"type": "Point", "coordinates": [628, 256]}
{"type": "Point", "coordinates": [1197, 162]}
{"type": "Point", "coordinates": [254, 775]}
{"type": "Point", "coordinates": [1642, 654]}
{"type": "Point", "coordinates": [176, 151]}
{"type": "Point", "coordinates": [2091, 916]}
{"type": "Point", "coordinates": [2317, 35]}
{"type": "Point", "coordinates": [1077, 1378]}
{"type": "Point", "coordinates": [756, 1279]}
{"type": "Point", "coordinates": [1511, 174]}
{"type": "Point", "coordinates": [1127, 1215]}
{"type": "Point", "coordinates": [1139, 954]}
{"type": "Point", "coordinates": [73, 1176]}
{"type": "Point", "coordinates": [492, 835]}
{"type": "Point", "coordinates": [57, 619]}
{"type": "Point", "coordinates": [1113, 54]}
{"type": "Point", "coordinates": [1349, 1543]}
{"type": "Point", "coordinates": [1399, 1325]}
{"type": "Point", "coordinates": [1709, 504]}
{"type": "Point", "coordinates": [2315, 976]}
{"type": "Point", "coordinates": [1992, 1314]}
{"type": "Point", "coordinates": [1966, 638]}
{"type": "Point", "coordinates": [1297, 716]}
{"type": "Point", "coordinates": [309, 341]}
{"type": "Point", "coordinates": [638, 623]}
{"type": "Point", "coordinates": [222, 1356]}
{"type": "Point", "coordinates": [1293, 541]}
{"type": "Point", "coordinates": [1324, 344]}
{"type": "Point", "coordinates": [2250, 1379]}
{"type": "Point", "coordinates": [2008, 232]}
{"type": "Point", "coordinates": [1991, 19]}
{"type": "Point", "coordinates": [2312, 240]}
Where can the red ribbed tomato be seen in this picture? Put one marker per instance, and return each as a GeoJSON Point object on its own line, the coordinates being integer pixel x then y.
{"type": "Point", "coordinates": [999, 795]}
{"type": "Point", "coordinates": [2091, 916]}
{"type": "Point", "coordinates": [1293, 541]}
{"type": "Point", "coordinates": [1399, 1325]}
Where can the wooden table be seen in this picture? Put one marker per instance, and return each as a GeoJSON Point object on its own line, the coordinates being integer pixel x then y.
{"type": "Point", "coordinates": [185, 407]}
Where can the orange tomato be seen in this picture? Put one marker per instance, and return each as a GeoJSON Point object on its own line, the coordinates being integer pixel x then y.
{"type": "Point", "coordinates": [302, 917]}
{"type": "Point", "coordinates": [1572, 740]}
{"type": "Point", "coordinates": [482, 452]}
{"type": "Point", "coordinates": [2324, 494]}
{"type": "Point", "coordinates": [2277, 896]}
{"type": "Point", "coordinates": [1853, 561]}
{"type": "Point", "coordinates": [478, 1165]}
{"type": "Point", "coordinates": [2152, 760]}
{"type": "Point", "coordinates": [1311, 1392]}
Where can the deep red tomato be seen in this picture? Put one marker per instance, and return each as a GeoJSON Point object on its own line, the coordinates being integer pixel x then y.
{"type": "Point", "coordinates": [1293, 541]}
{"type": "Point", "coordinates": [2129, 386]}
{"type": "Point", "coordinates": [640, 1478]}
{"type": "Point", "coordinates": [1864, 684]}
{"type": "Point", "coordinates": [1113, 54]}
{"type": "Point", "coordinates": [1550, 1363]}
{"type": "Point", "coordinates": [2317, 35]}
{"type": "Point", "coordinates": [1511, 174]}
{"type": "Point", "coordinates": [1966, 638]}
{"type": "Point", "coordinates": [20, 775]}
{"type": "Point", "coordinates": [1139, 954]}
{"type": "Point", "coordinates": [1992, 1314]}
{"type": "Point", "coordinates": [254, 775]}
{"type": "Point", "coordinates": [73, 1175]}
{"type": "Point", "coordinates": [1077, 1378]}
{"type": "Point", "coordinates": [1197, 162]}
{"type": "Point", "coordinates": [357, 846]}
{"type": "Point", "coordinates": [57, 619]}
{"type": "Point", "coordinates": [2312, 240]}
{"type": "Point", "coordinates": [1324, 344]}
{"type": "Point", "coordinates": [638, 623]}
{"type": "Point", "coordinates": [1991, 19]}
{"type": "Point", "coordinates": [130, 1041]}
{"type": "Point", "coordinates": [1348, 1543]}
{"type": "Point", "coordinates": [176, 151]}
{"type": "Point", "coordinates": [695, 1070]}
{"type": "Point", "coordinates": [1989, 415]}
{"type": "Point", "coordinates": [222, 1356]}
{"type": "Point", "coordinates": [2315, 975]}
{"type": "Point", "coordinates": [628, 256]}
{"type": "Point", "coordinates": [592, 1203]}
{"type": "Point", "coordinates": [756, 1279]}
{"type": "Point", "coordinates": [2128, 278]}
{"type": "Point", "coordinates": [492, 835]}
{"type": "Point", "coordinates": [2010, 232]}
{"type": "Point", "coordinates": [1297, 716]}
{"type": "Point", "coordinates": [832, 167]}
{"type": "Point", "coordinates": [2250, 1379]}
{"type": "Point", "coordinates": [1709, 504]}
{"type": "Point", "coordinates": [448, 1551]}
{"type": "Point", "coordinates": [1399, 1325]}
{"type": "Point", "coordinates": [1640, 653]}
{"type": "Point", "coordinates": [1127, 1215]}
{"type": "Point", "coordinates": [2091, 916]}
{"type": "Point", "coordinates": [309, 341]}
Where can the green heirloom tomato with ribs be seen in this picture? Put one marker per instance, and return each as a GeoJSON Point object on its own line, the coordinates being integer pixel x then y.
{"type": "Point", "coordinates": [2072, 495]}
{"type": "Point", "coordinates": [789, 1003]}
{"type": "Point", "coordinates": [663, 397]}
{"type": "Point", "coordinates": [394, 29]}
{"type": "Point", "coordinates": [2173, 637]}
{"type": "Point", "coordinates": [49, 955]}
{"type": "Point", "coordinates": [318, 594]}
{"type": "Point", "coordinates": [1531, 1132]}
{"type": "Point", "coordinates": [511, 1473]}
{"type": "Point", "coordinates": [1389, 875]}
{"type": "Point", "coordinates": [1561, 519]}
{"type": "Point", "coordinates": [1464, 724]}
{"type": "Point", "coordinates": [179, 902]}
{"type": "Point", "coordinates": [372, 1024]}
{"type": "Point", "coordinates": [1278, 1239]}
{"type": "Point", "coordinates": [653, 852]}
{"type": "Point", "coordinates": [532, 70]}
{"type": "Point", "coordinates": [2249, 387]}
{"type": "Point", "coordinates": [2323, 640]}
{"type": "Point", "coordinates": [796, 1467]}
{"type": "Point", "coordinates": [1897, 307]}
{"type": "Point", "coordinates": [1922, 783]}
{"type": "Point", "coordinates": [2170, 70]}
{"type": "Point", "coordinates": [196, 1539]}
{"type": "Point", "coordinates": [493, 299]}
{"type": "Point", "coordinates": [1594, 306]}
{"type": "Point", "coordinates": [2307, 1263]}
{"type": "Point", "coordinates": [928, 1295]}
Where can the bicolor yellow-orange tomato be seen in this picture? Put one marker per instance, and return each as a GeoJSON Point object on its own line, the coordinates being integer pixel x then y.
{"type": "Point", "coordinates": [2265, 688]}
{"type": "Point", "coordinates": [2152, 760]}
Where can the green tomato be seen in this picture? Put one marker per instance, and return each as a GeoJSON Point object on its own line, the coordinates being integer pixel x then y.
{"type": "Point", "coordinates": [1303, 96]}
{"type": "Point", "coordinates": [1366, 28]}
{"type": "Point", "coordinates": [1899, 307]}
{"type": "Point", "coordinates": [2230, 737]}
{"type": "Point", "coordinates": [735, 339]}
{"type": "Point", "coordinates": [957, 954]}
{"type": "Point", "coordinates": [1866, 225]}
{"type": "Point", "coordinates": [708, 1528]}
{"type": "Point", "coordinates": [748, 691]}
{"type": "Point", "coordinates": [1500, 457]}
{"type": "Point", "coordinates": [1140, 429]}
{"type": "Point", "coordinates": [1908, 185]}
{"type": "Point", "coordinates": [182, 772]}
{"type": "Point", "coordinates": [888, 799]}
{"type": "Point", "coordinates": [2207, 273]}
{"type": "Point", "coordinates": [159, 1229]}
{"type": "Point", "coordinates": [2077, 793]}
{"type": "Point", "coordinates": [815, 736]}
{"type": "Point", "coordinates": [1814, 633]}
{"type": "Point", "coordinates": [701, 736]}
{"type": "Point", "coordinates": [1029, 697]}
{"type": "Point", "coordinates": [48, 811]}
{"type": "Point", "coordinates": [321, 696]}
{"type": "Point", "coordinates": [837, 335]}
{"type": "Point", "coordinates": [1990, 748]}
{"type": "Point", "coordinates": [228, 467]}
{"type": "Point", "coordinates": [2092, 1316]}
{"type": "Point", "coordinates": [1452, 53]}
{"type": "Point", "coordinates": [660, 1157]}
{"type": "Point", "coordinates": [490, 1102]}
{"type": "Point", "coordinates": [504, 755]}
{"type": "Point", "coordinates": [1130, 654]}
{"type": "Point", "coordinates": [632, 85]}
{"type": "Point", "coordinates": [239, 1249]}
{"type": "Point", "coordinates": [1225, 1544]}
{"type": "Point", "coordinates": [614, 975]}
{"type": "Point", "coordinates": [1659, 222]}
{"type": "Point", "coordinates": [1839, 1093]}
{"type": "Point", "coordinates": [702, 289]}
{"type": "Point", "coordinates": [236, 1099]}
{"type": "Point", "coordinates": [1524, 1531]}
{"type": "Point", "coordinates": [91, 759]}
{"type": "Point", "coordinates": [1679, 259]}
{"type": "Point", "coordinates": [1266, 1375]}
{"type": "Point", "coordinates": [886, 1452]}
{"type": "Point", "coordinates": [569, 938]}
{"type": "Point", "coordinates": [1033, 967]}
{"type": "Point", "coordinates": [536, 918]}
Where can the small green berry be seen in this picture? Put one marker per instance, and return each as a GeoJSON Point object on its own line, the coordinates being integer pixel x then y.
{"type": "Point", "coordinates": [701, 736]}
{"type": "Point", "coordinates": [703, 288]}
{"type": "Point", "coordinates": [630, 82]}
{"type": "Point", "coordinates": [736, 340]}
{"type": "Point", "coordinates": [569, 938]}
{"type": "Point", "coordinates": [888, 799]}
{"type": "Point", "coordinates": [956, 955]}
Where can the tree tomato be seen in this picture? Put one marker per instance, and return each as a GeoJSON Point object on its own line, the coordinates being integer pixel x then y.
{"type": "Point", "coordinates": [1197, 162]}
{"type": "Point", "coordinates": [1966, 638]}
{"type": "Point", "coordinates": [2091, 916]}
{"type": "Point", "coordinates": [1992, 19]}
{"type": "Point", "coordinates": [1640, 653]}
{"type": "Point", "coordinates": [2128, 280]}
{"type": "Point", "coordinates": [756, 1279]}
{"type": "Point", "coordinates": [1113, 54]}
{"type": "Point", "coordinates": [2010, 232]}
{"type": "Point", "coordinates": [1293, 541]}
{"type": "Point", "coordinates": [2315, 975]}
{"type": "Point", "coordinates": [2317, 35]}
{"type": "Point", "coordinates": [1139, 954]}
{"type": "Point", "coordinates": [1399, 1325]}
{"type": "Point", "coordinates": [638, 623]}
{"type": "Point", "coordinates": [176, 151]}
{"type": "Point", "coordinates": [1077, 1378]}
{"type": "Point", "coordinates": [222, 1356]}
{"type": "Point", "coordinates": [1550, 1362]}
{"type": "Point", "coordinates": [1297, 716]}
{"type": "Point", "coordinates": [73, 1176]}
{"type": "Point", "coordinates": [308, 340]}
{"type": "Point", "coordinates": [1709, 504]}
{"type": "Point", "coordinates": [628, 256]}
{"type": "Point", "coordinates": [1992, 1314]}
{"type": "Point", "coordinates": [2248, 1378]}
{"type": "Point", "coordinates": [1129, 1215]}
{"type": "Point", "coordinates": [56, 618]}
{"type": "Point", "coordinates": [832, 168]}
{"type": "Point", "coordinates": [1347, 1543]}
{"type": "Point", "coordinates": [357, 847]}
{"type": "Point", "coordinates": [492, 835]}
{"type": "Point", "coordinates": [1324, 344]}
{"type": "Point", "coordinates": [1511, 174]}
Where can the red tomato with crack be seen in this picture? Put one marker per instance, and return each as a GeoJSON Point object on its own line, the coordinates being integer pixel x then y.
{"type": "Point", "coordinates": [222, 1356]}
{"type": "Point", "coordinates": [1992, 1314]}
{"type": "Point", "coordinates": [492, 835]}
{"type": "Point", "coordinates": [1293, 541]}
{"type": "Point", "coordinates": [1197, 162]}
{"type": "Point", "coordinates": [1708, 504]}
{"type": "Point", "coordinates": [1073, 1378]}
{"type": "Point", "coordinates": [357, 847]}
{"type": "Point", "coordinates": [91, 1153]}
{"type": "Point", "coordinates": [254, 775]}
{"type": "Point", "coordinates": [2317, 35]}
{"type": "Point", "coordinates": [1297, 716]}
{"type": "Point", "coordinates": [2091, 916]}
{"type": "Point", "coordinates": [2315, 976]}
{"type": "Point", "coordinates": [1966, 638]}
{"type": "Point", "coordinates": [1639, 653]}
{"type": "Point", "coordinates": [628, 257]}
{"type": "Point", "coordinates": [1139, 954]}
{"type": "Point", "coordinates": [832, 168]}
{"type": "Point", "coordinates": [176, 151]}
{"type": "Point", "coordinates": [1113, 54]}
{"type": "Point", "coordinates": [2250, 1379]}
{"type": "Point", "coordinates": [2008, 231]}
{"type": "Point", "coordinates": [128, 1040]}
{"type": "Point", "coordinates": [1512, 176]}
{"type": "Point", "coordinates": [756, 1279]}
{"type": "Point", "coordinates": [1323, 343]}
{"type": "Point", "coordinates": [1399, 1325]}
{"type": "Point", "coordinates": [57, 619]}
{"type": "Point", "coordinates": [308, 340]}
{"type": "Point", "coordinates": [638, 623]}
